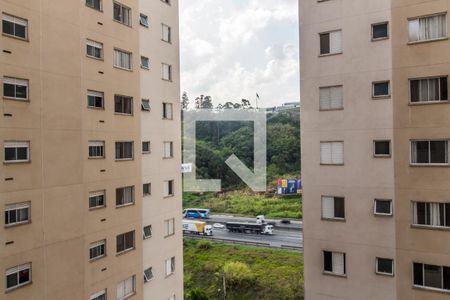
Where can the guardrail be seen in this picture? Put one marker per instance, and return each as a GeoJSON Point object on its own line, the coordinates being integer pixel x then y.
{"type": "Point", "coordinates": [246, 243]}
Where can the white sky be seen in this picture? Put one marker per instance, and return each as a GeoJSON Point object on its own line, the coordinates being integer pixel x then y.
{"type": "Point", "coordinates": [233, 49]}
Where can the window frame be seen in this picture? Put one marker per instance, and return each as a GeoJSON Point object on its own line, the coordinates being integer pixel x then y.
{"type": "Point", "coordinates": [170, 186]}
{"type": "Point", "coordinates": [145, 102]}
{"type": "Point", "coordinates": [333, 273]}
{"type": "Point", "coordinates": [386, 96]}
{"type": "Point", "coordinates": [92, 45]}
{"type": "Point", "coordinates": [121, 51]}
{"type": "Point", "coordinates": [165, 111]}
{"type": "Point", "coordinates": [411, 163]}
{"type": "Point", "coordinates": [423, 286]}
{"type": "Point", "coordinates": [321, 88]}
{"type": "Point", "coordinates": [144, 194]}
{"type": "Point", "coordinates": [122, 7]}
{"type": "Point", "coordinates": [383, 273]}
{"type": "Point", "coordinates": [16, 269]}
{"type": "Point", "coordinates": [376, 213]}
{"type": "Point", "coordinates": [144, 235]}
{"type": "Point", "coordinates": [439, 77]}
{"type": "Point", "coordinates": [93, 7]}
{"type": "Point", "coordinates": [382, 155]}
{"type": "Point", "coordinates": [334, 218]}
{"type": "Point", "coordinates": [329, 32]}
{"type": "Point", "coordinates": [15, 84]}
{"type": "Point", "coordinates": [94, 93]}
{"type": "Point", "coordinates": [125, 250]}
{"type": "Point", "coordinates": [428, 16]}
{"type": "Point", "coordinates": [169, 33]}
{"type": "Point", "coordinates": [332, 142]}
{"type": "Point", "coordinates": [96, 194]}
{"type": "Point", "coordinates": [133, 277]}
{"type": "Point", "coordinates": [152, 276]}
{"type": "Point", "coordinates": [91, 144]}
{"type": "Point", "coordinates": [98, 294]}
{"type": "Point", "coordinates": [96, 244]}
{"type": "Point", "coordinates": [143, 66]}
{"type": "Point", "coordinates": [380, 38]}
{"type": "Point", "coordinates": [123, 104]}
{"type": "Point", "coordinates": [146, 23]}
{"type": "Point", "coordinates": [26, 38]}
{"type": "Point", "coordinates": [171, 150]}
{"type": "Point", "coordinates": [149, 147]}
{"type": "Point", "coordinates": [133, 196]}
{"type": "Point", "coordinates": [17, 206]}
{"type": "Point", "coordinates": [124, 158]}
{"type": "Point", "coordinates": [169, 227]}
{"type": "Point", "coordinates": [172, 266]}
{"type": "Point", "coordinates": [169, 70]}
{"type": "Point", "coordinates": [428, 226]}
{"type": "Point", "coordinates": [16, 161]}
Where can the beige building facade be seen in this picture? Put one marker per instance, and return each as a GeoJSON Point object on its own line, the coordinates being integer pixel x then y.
{"type": "Point", "coordinates": [83, 193]}
{"type": "Point", "coordinates": [375, 130]}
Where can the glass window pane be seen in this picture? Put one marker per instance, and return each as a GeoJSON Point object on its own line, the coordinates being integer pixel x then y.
{"type": "Point", "coordinates": [446, 278]}
{"type": "Point", "coordinates": [381, 89]}
{"type": "Point", "coordinates": [324, 43]}
{"type": "Point", "coordinates": [415, 90]}
{"type": "Point", "coordinates": [379, 31]}
{"type": "Point", "coordinates": [418, 274]}
{"type": "Point", "coordinates": [20, 31]}
{"type": "Point", "coordinates": [383, 206]}
{"type": "Point", "coordinates": [385, 265]}
{"type": "Point", "coordinates": [24, 276]}
{"type": "Point", "coordinates": [382, 148]}
{"type": "Point", "coordinates": [9, 90]}
{"type": "Point", "coordinates": [22, 153]}
{"type": "Point", "coordinates": [433, 276]}
{"type": "Point", "coordinates": [10, 154]}
{"type": "Point", "coordinates": [327, 261]}
{"type": "Point", "coordinates": [422, 152]}
{"type": "Point", "coordinates": [11, 280]}
{"type": "Point", "coordinates": [438, 152]}
{"type": "Point", "coordinates": [339, 207]}
{"type": "Point", "coordinates": [444, 89]}
{"type": "Point", "coordinates": [8, 27]}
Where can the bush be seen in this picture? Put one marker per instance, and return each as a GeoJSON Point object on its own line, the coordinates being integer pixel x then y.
{"type": "Point", "coordinates": [196, 294]}
{"type": "Point", "coordinates": [238, 275]}
{"type": "Point", "coordinates": [204, 245]}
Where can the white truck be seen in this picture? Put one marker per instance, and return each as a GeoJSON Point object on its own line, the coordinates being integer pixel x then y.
{"type": "Point", "coordinates": [197, 227]}
{"type": "Point", "coordinates": [260, 227]}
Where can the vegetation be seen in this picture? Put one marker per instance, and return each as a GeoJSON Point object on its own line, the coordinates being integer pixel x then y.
{"type": "Point", "coordinates": [246, 204]}
{"type": "Point", "coordinates": [216, 141]}
{"type": "Point", "coordinates": [250, 272]}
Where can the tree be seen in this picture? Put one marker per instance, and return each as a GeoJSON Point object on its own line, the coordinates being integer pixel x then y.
{"type": "Point", "coordinates": [237, 275]}
{"type": "Point", "coordinates": [203, 102]}
{"type": "Point", "coordinates": [184, 101]}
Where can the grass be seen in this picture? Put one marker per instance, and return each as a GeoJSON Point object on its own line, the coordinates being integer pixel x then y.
{"type": "Point", "coordinates": [277, 274]}
{"type": "Point", "coordinates": [246, 204]}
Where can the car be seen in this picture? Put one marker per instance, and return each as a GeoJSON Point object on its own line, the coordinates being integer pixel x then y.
{"type": "Point", "coordinates": [285, 221]}
{"type": "Point", "coordinates": [218, 225]}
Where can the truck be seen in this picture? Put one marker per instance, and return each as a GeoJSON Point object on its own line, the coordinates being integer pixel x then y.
{"type": "Point", "coordinates": [197, 227]}
{"type": "Point", "coordinates": [246, 227]}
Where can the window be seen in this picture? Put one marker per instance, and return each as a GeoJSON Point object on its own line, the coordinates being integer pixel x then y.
{"type": "Point", "coordinates": [380, 31]}
{"type": "Point", "coordinates": [334, 263]}
{"type": "Point", "coordinates": [146, 189]}
{"type": "Point", "coordinates": [122, 14]}
{"type": "Point", "coordinates": [15, 26]}
{"type": "Point", "coordinates": [125, 196]}
{"type": "Point", "coordinates": [167, 111]}
{"type": "Point", "coordinates": [146, 147]}
{"type": "Point", "coordinates": [18, 213]}
{"type": "Point", "coordinates": [331, 42]}
{"type": "Point", "coordinates": [383, 207]}
{"type": "Point", "coordinates": [381, 89]}
{"type": "Point", "coordinates": [331, 98]}
{"type": "Point", "coordinates": [16, 152]}
{"type": "Point", "coordinates": [96, 149]}
{"type": "Point", "coordinates": [123, 105]}
{"type": "Point", "coordinates": [429, 152]}
{"type": "Point", "coordinates": [148, 274]}
{"type": "Point", "coordinates": [97, 199]}
{"type": "Point", "coordinates": [382, 148]}
{"type": "Point", "coordinates": [170, 266]}
{"type": "Point", "coordinates": [126, 288]}
{"type": "Point", "coordinates": [123, 59]}
{"type": "Point", "coordinates": [18, 276]}
{"type": "Point", "coordinates": [333, 208]}
{"type": "Point", "coordinates": [433, 89]}
{"type": "Point", "coordinates": [145, 63]}
{"type": "Point", "coordinates": [168, 149]}
{"type": "Point", "coordinates": [145, 104]}
{"type": "Point", "coordinates": [97, 250]}
{"type": "Point", "coordinates": [99, 296]}
{"type": "Point", "coordinates": [431, 276]}
{"type": "Point", "coordinates": [147, 231]}
{"type": "Point", "coordinates": [125, 242]}
{"type": "Point", "coordinates": [168, 188]}
{"type": "Point", "coordinates": [169, 226]}
{"type": "Point", "coordinates": [166, 72]}
{"type": "Point", "coordinates": [95, 4]}
{"type": "Point", "coordinates": [384, 266]}
{"type": "Point", "coordinates": [166, 33]}
{"type": "Point", "coordinates": [332, 153]}
{"type": "Point", "coordinates": [94, 49]}
{"type": "Point", "coordinates": [428, 28]}
{"type": "Point", "coordinates": [143, 20]}
{"type": "Point", "coordinates": [15, 88]}
{"type": "Point", "coordinates": [432, 214]}
{"type": "Point", "coordinates": [124, 150]}
{"type": "Point", "coordinates": [95, 99]}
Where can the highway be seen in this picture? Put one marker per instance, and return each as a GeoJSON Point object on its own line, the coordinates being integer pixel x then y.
{"type": "Point", "coordinates": [286, 236]}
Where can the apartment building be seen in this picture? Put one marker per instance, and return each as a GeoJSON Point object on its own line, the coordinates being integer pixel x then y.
{"type": "Point", "coordinates": [87, 215]}
{"type": "Point", "coordinates": [375, 131]}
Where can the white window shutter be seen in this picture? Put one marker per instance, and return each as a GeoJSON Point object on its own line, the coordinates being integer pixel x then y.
{"type": "Point", "coordinates": [336, 97]}
{"type": "Point", "coordinates": [168, 266]}
{"type": "Point", "coordinates": [121, 290]}
{"type": "Point", "coordinates": [414, 30]}
{"type": "Point", "coordinates": [338, 263]}
{"type": "Point", "coordinates": [328, 207]}
{"type": "Point", "coordinates": [336, 41]}
{"type": "Point", "coordinates": [337, 153]}
{"type": "Point", "coordinates": [166, 189]}
{"type": "Point", "coordinates": [325, 153]}
{"type": "Point", "coordinates": [325, 98]}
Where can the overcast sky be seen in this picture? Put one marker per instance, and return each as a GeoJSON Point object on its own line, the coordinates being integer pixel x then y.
{"type": "Point", "coordinates": [233, 49]}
